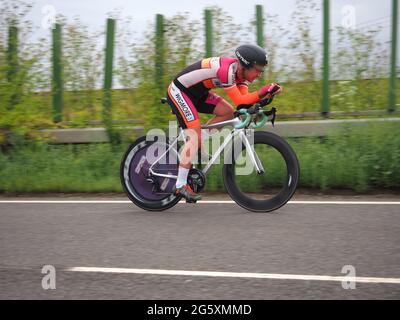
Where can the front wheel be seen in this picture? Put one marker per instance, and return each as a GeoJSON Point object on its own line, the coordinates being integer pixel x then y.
{"type": "Point", "coordinates": [271, 189]}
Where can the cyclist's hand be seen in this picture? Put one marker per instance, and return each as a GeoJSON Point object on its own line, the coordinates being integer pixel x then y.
{"type": "Point", "coordinates": [272, 90]}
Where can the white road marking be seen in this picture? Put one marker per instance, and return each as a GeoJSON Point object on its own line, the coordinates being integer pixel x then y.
{"type": "Point", "coordinates": [344, 202]}
{"type": "Point", "coordinates": [237, 275]}
{"type": "Point", "coordinates": [64, 201]}
{"type": "Point", "coordinates": [199, 202]}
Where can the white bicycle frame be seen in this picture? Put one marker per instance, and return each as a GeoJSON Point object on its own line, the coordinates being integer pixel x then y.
{"type": "Point", "coordinates": [234, 133]}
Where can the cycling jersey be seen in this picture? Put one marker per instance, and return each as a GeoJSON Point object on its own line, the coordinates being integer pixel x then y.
{"type": "Point", "coordinates": [189, 91]}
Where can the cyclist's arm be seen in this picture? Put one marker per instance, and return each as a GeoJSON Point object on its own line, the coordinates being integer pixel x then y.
{"type": "Point", "coordinates": [243, 88]}
{"type": "Point", "coordinates": [238, 98]}
{"type": "Point", "coordinates": [236, 91]}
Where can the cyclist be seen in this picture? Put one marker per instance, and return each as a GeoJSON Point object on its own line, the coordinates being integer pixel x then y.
{"type": "Point", "coordinates": [189, 93]}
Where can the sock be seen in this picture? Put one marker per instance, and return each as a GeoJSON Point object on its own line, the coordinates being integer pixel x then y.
{"type": "Point", "coordinates": [182, 177]}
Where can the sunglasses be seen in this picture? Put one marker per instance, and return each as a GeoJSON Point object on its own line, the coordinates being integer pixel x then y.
{"type": "Point", "coordinates": [259, 69]}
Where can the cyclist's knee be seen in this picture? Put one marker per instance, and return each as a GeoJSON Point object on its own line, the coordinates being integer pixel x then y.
{"type": "Point", "coordinates": [224, 109]}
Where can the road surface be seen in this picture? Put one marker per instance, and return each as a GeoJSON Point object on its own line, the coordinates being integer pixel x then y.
{"type": "Point", "coordinates": [209, 250]}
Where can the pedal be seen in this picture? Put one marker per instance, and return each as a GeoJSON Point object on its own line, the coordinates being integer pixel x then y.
{"type": "Point", "coordinates": [191, 201]}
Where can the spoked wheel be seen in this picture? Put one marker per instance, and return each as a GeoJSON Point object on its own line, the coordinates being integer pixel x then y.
{"type": "Point", "coordinates": [271, 189]}
{"type": "Point", "coordinates": [146, 191]}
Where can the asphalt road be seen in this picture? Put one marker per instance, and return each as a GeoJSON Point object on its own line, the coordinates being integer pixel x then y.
{"type": "Point", "coordinates": [298, 240]}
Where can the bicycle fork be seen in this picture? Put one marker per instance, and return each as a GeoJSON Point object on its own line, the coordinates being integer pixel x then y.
{"type": "Point", "coordinates": [252, 153]}
{"type": "Point", "coordinates": [242, 133]}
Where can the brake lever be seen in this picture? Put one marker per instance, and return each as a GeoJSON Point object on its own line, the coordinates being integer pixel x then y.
{"type": "Point", "coordinates": [272, 113]}
{"type": "Point", "coordinates": [273, 120]}
{"type": "Point", "coordinates": [254, 109]}
{"type": "Point", "coordinates": [273, 109]}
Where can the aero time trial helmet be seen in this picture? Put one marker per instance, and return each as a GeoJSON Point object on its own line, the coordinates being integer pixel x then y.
{"type": "Point", "coordinates": [249, 55]}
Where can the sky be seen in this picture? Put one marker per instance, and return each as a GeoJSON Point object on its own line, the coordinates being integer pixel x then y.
{"type": "Point", "coordinates": [361, 14]}
{"type": "Point", "coordinates": [93, 13]}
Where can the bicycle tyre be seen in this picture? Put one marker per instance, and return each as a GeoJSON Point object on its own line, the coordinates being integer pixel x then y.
{"type": "Point", "coordinates": [292, 178]}
{"type": "Point", "coordinates": [133, 187]}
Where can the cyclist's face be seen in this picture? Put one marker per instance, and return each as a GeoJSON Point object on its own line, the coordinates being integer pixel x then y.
{"type": "Point", "coordinates": [254, 72]}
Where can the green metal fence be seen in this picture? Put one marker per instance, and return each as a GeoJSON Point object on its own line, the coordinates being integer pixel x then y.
{"type": "Point", "coordinates": [208, 31]}
{"type": "Point", "coordinates": [12, 61]}
{"type": "Point", "coordinates": [393, 76]}
{"type": "Point", "coordinates": [108, 77]}
{"type": "Point", "coordinates": [159, 47]}
{"type": "Point", "coordinates": [57, 81]}
{"type": "Point", "coordinates": [325, 81]}
{"type": "Point", "coordinates": [57, 74]}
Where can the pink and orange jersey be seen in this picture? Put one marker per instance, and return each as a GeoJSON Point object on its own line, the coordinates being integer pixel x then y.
{"type": "Point", "coordinates": [189, 91]}
{"type": "Point", "coordinates": [216, 72]}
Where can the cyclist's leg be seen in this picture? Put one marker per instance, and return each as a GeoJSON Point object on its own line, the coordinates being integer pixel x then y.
{"type": "Point", "coordinates": [193, 141]}
{"type": "Point", "coordinates": [188, 119]}
{"type": "Point", "coordinates": [218, 106]}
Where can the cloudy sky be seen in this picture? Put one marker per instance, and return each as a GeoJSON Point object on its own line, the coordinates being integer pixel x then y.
{"type": "Point", "coordinates": [94, 12]}
{"type": "Point", "coordinates": [363, 14]}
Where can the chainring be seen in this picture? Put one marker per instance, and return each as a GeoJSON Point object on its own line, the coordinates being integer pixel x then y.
{"type": "Point", "coordinates": [196, 180]}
